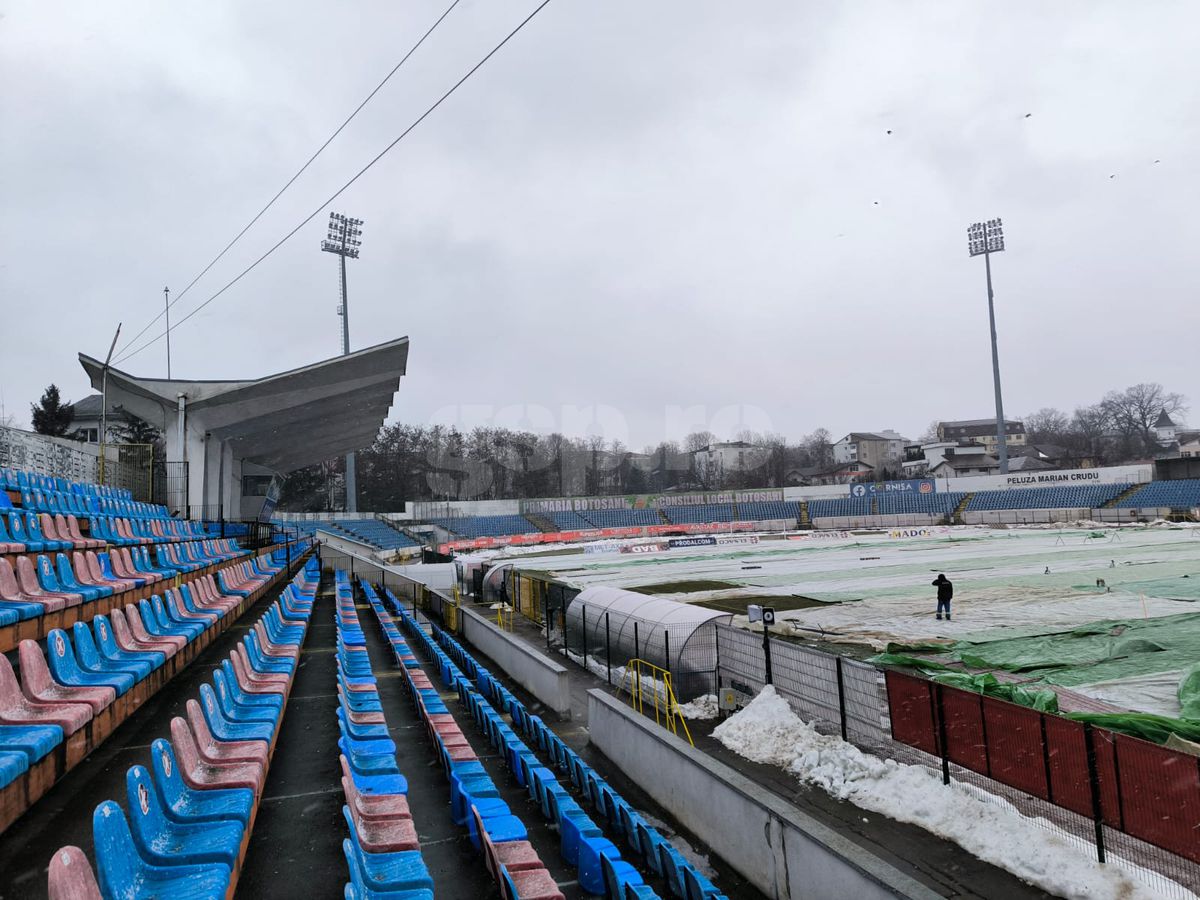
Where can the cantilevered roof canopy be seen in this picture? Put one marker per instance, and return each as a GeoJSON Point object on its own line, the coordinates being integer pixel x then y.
{"type": "Point", "coordinates": [283, 421]}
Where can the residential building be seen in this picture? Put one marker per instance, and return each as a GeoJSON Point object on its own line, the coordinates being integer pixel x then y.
{"type": "Point", "coordinates": [85, 423]}
{"type": "Point", "coordinates": [982, 432]}
{"type": "Point", "coordinates": [954, 465]}
{"type": "Point", "coordinates": [922, 459]}
{"type": "Point", "coordinates": [844, 473]}
{"type": "Point", "coordinates": [726, 457]}
{"type": "Point", "coordinates": [881, 450]}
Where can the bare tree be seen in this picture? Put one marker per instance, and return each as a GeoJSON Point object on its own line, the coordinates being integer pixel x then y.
{"type": "Point", "coordinates": [1134, 411]}
{"type": "Point", "coordinates": [819, 445]}
{"type": "Point", "coordinates": [930, 434]}
{"type": "Point", "coordinates": [1048, 425]}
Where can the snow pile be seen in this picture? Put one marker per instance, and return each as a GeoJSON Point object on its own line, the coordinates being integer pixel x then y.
{"type": "Point", "coordinates": [701, 708]}
{"type": "Point", "coordinates": [988, 827]}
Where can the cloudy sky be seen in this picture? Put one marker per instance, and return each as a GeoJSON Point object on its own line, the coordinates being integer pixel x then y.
{"type": "Point", "coordinates": [640, 217]}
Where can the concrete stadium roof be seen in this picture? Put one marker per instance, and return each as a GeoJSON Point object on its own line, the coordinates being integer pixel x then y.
{"type": "Point", "coordinates": [283, 421]}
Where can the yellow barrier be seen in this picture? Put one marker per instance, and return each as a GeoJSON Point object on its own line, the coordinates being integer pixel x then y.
{"type": "Point", "coordinates": [662, 695]}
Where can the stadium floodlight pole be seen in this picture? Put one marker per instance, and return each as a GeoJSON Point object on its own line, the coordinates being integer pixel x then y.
{"type": "Point", "coordinates": [984, 239]}
{"type": "Point", "coordinates": [167, 311]}
{"type": "Point", "coordinates": [104, 402]}
{"type": "Point", "coordinates": [344, 240]}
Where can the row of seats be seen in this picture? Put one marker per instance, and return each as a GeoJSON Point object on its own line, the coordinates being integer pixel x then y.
{"type": "Point", "coordinates": [20, 480]}
{"type": "Point", "coordinates": [1078, 496]}
{"type": "Point", "coordinates": [372, 531]}
{"type": "Point", "coordinates": [768, 510]}
{"type": "Point", "coordinates": [487, 526]}
{"type": "Point", "coordinates": [88, 505]}
{"type": "Point", "coordinates": [383, 852]}
{"type": "Point", "coordinates": [622, 518]}
{"type": "Point", "coordinates": [475, 802]}
{"type": "Point", "coordinates": [191, 813]}
{"type": "Point", "coordinates": [41, 585]}
{"type": "Point", "coordinates": [569, 521]}
{"type": "Point", "coordinates": [582, 844]}
{"type": "Point", "coordinates": [111, 668]}
{"type": "Point", "coordinates": [840, 507]}
{"type": "Point", "coordinates": [1183, 494]}
{"type": "Point", "coordinates": [700, 515]}
{"type": "Point", "coordinates": [684, 880]}
{"type": "Point", "coordinates": [895, 503]}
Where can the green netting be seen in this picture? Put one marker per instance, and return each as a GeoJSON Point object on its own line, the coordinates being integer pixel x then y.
{"type": "Point", "coordinates": [1098, 651]}
{"type": "Point", "coordinates": [1143, 725]}
{"type": "Point", "coordinates": [986, 684]}
{"type": "Point", "coordinates": [908, 662]}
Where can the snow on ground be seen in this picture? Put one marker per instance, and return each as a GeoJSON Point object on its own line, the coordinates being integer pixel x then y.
{"type": "Point", "coordinates": [988, 827]}
{"type": "Point", "coordinates": [701, 708]}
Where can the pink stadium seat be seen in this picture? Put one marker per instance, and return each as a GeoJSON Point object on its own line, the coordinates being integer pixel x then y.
{"type": "Point", "coordinates": [31, 589]}
{"type": "Point", "coordinates": [138, 629]}
{"type": "Point", "coordinates": [127, 641]}
{"type": "Point", "coordinates": [71, 876]}
{"type": "Point", "coordinates": [201, 773]}
{"type": "Point", "coordinates": [38, 685]}
{"type": "Point", "coordinates": [16, 709]}
{"type": "Point", "coordinates": [256, 682]}
{"type": "Point", "coordinates": [223, 751]}
{"type": "Point", "coordinates": [77, 536]}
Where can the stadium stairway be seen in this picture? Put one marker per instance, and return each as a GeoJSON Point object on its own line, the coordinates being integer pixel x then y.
{"type": "Point", "coordinates": [956, 516]}
{"type": "Point", "coordinates": [805, 520]}
{"type": "Point", "coordinates": [543, 524]}
{"type": "Point", "coordinates": [1125, 494]}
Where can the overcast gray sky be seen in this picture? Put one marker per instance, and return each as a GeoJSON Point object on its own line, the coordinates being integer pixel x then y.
{"type": "Point", "coordinates": [663, 210]}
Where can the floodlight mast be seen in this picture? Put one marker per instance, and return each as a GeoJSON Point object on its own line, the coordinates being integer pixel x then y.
{"type": "Point", "coordinates": [344, 240]}
{"type": "Point", "coordinates": [984, 239]}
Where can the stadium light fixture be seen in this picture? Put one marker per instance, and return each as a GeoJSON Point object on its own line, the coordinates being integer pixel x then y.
{"type": "Point", "coordinates": [984, 239]}
{"type": "Point", "coordinates": [344, 239]}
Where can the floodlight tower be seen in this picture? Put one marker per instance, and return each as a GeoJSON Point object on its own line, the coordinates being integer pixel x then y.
{"type": "Point", "coordinates": [344, 240]}
{"type": "Point", "coordinates": [984, 239]}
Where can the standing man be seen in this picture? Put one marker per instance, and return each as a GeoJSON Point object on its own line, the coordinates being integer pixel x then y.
{"type": "Point", "coordinates": [945, 593]}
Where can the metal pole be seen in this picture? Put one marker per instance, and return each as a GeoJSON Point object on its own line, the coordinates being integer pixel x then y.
{"type": "Point", "coordinates": [1094, 781]}
{"type": "Point", "coordinates": [1001, 428]}
{"type": "Point", "coordinates": [167, 312]}
{"type": "Point", "coordinates": [941, 726]}
{"type": "Point", "coordinates": [841, 696]}
{"type": "Point", "coordinates": [545, 618]}
{"type": "Point", "coordinates": [767, 652]}
{"type": "Point", "coordinates": [608, 648]}
{"type": "Point", "coordinates": [637, 652]}
{"type": "Point", "coordinates": [104, 402]}
{"type": "Point", "coordinates": [583, 630]}
{"type": "Point", "coordinates": [351, 474]}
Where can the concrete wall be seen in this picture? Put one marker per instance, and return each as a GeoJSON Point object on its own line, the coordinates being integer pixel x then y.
{"type": "Point", "coordinates": [538, 674]}
{"type": "Point", "coordinates": [779, 849]}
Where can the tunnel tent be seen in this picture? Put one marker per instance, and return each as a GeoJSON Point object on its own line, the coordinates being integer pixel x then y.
{"type": "Point", "coordinates": [649, 628]}
{"type": "Point", "coordinates": [493, 582]}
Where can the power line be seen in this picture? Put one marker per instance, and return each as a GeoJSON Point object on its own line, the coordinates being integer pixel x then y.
{"type": "Point", "coordinates": [421, 118]}
{"type": "Point", "coordinates": [303, 168]}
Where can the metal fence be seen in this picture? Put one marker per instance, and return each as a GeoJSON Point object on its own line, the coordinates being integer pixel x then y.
{"type": "Point", "coordinates": [1114, 794]}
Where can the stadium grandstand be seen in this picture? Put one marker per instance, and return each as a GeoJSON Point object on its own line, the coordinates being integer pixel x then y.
{"type": "Point", "coordinates": [375, 532]}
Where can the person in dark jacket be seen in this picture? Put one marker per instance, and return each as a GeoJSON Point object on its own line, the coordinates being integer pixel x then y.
{"type": "Point", "coordinates": [945, 594]}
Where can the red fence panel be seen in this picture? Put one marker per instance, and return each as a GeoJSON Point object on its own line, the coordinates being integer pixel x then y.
{"type": "Point", "coordinates": [1106, 774]}
{"type": "Point", "coordinates": [965, 743]}
{"type": "Point", "coordinates": [910, 704]}
{"type": "Point", "coordinates": [1015, 747]}
{"type": "Point", "coordinates": [1066, 750]}
{"type": "Point", "coordinates": [1160, 795]}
